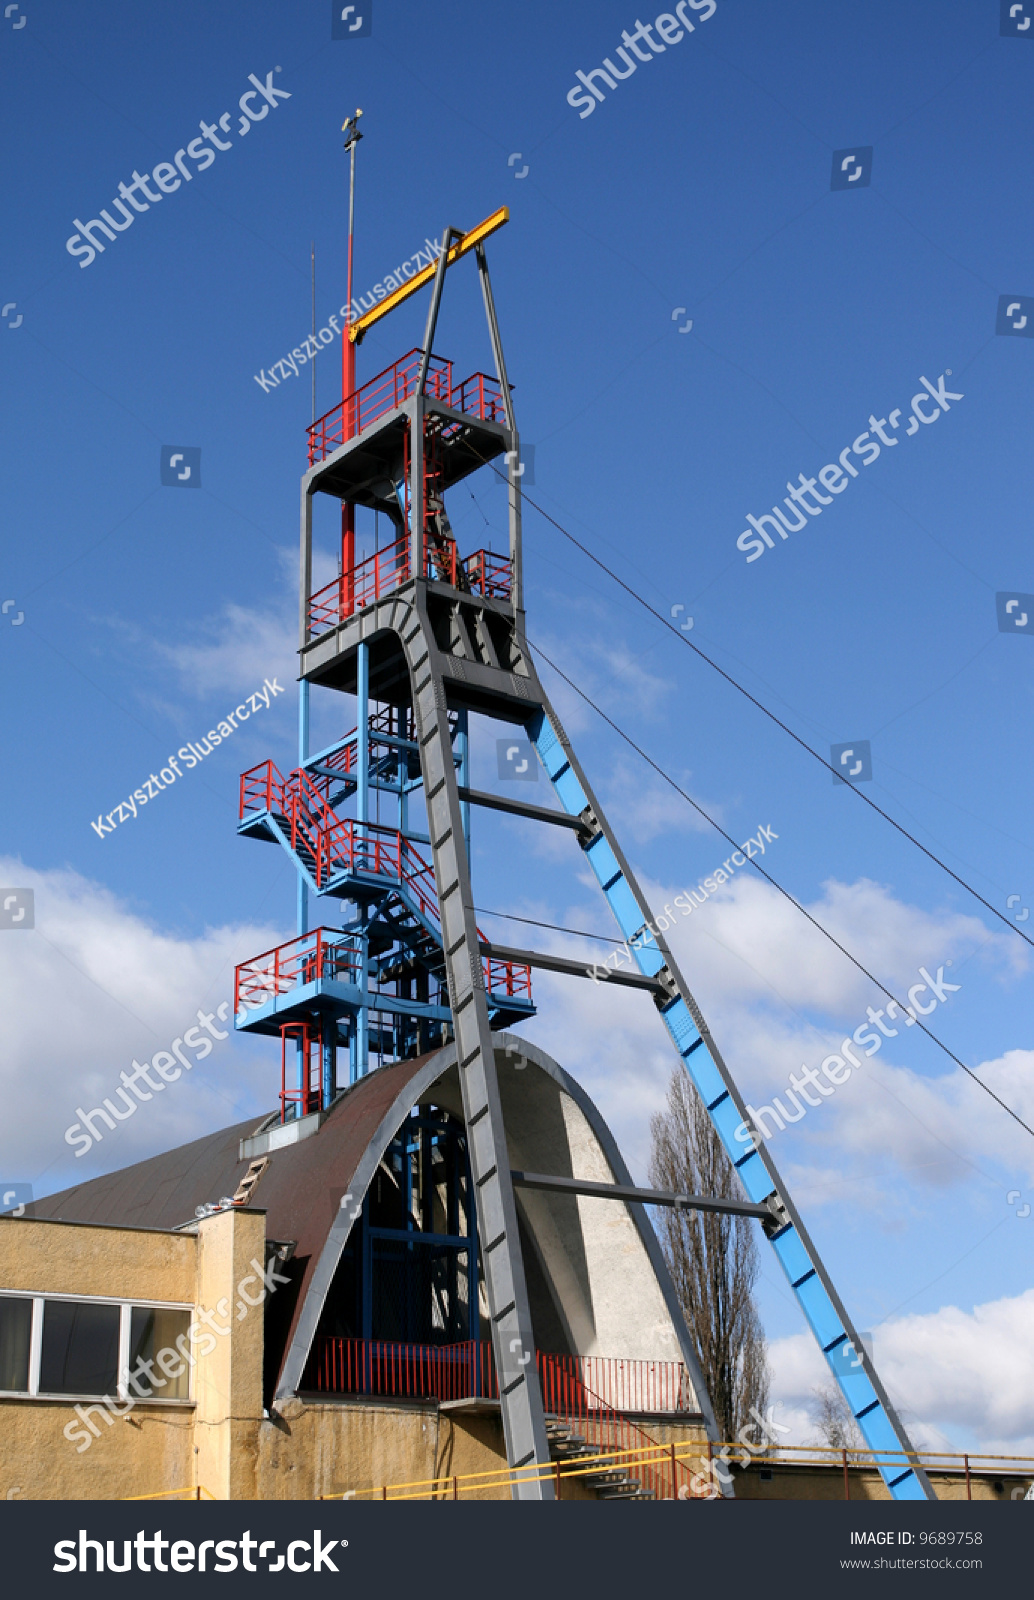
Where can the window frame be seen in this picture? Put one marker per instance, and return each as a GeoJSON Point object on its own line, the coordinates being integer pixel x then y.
{"type": "Point", "coordinates": [126, 1309]}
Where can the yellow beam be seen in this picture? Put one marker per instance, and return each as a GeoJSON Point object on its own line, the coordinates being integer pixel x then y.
{"type": "Point", "coordinates": [469, 240]}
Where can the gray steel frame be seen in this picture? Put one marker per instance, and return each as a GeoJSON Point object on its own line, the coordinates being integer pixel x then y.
{"type": "Point", "coordinates": [519, 1392]}
{"type": "Point", "coordinates": [646, 1197]}
{"type": "Point", "coordinates": [502, 1263]}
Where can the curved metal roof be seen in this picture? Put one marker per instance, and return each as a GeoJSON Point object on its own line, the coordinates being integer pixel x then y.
{"type": "Point", "coordinates": [303, 1187]}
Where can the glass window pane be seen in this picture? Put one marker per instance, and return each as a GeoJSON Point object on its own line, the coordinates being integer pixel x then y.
{"type": "Point", "coordinates": [80, 1348]}
{"type": "Point", "coordinates": [15, 1332]}
{"type": "Point", "coordinates": [152, 1338]}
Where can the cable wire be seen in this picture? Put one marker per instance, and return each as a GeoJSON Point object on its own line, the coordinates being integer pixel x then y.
{"type": "Point", "coordinates": [678, 634]}
{"type": "Point", "coordinates": [784, 892]}
{"type": "Point", "coordinates": [532, 922]}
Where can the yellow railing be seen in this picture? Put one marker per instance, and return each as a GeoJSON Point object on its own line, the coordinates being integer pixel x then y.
{"type": "Point", "coordinates": [448, 1488]}
{"type": "Point", "coordinates": [695, 1459]}
{"type": "Point", "coordinates": [195, 1491]}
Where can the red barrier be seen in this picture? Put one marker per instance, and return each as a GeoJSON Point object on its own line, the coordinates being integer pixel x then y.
{"type": "Point", "coordinates": [477, 396]}
{"type": "Point", "coordinates": [589, 1394]}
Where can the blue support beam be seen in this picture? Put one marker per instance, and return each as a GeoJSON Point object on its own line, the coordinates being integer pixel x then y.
{"type": "Point", "coordinates": [362, 800]}
{"type": "Point", "coordinates": [841, 1346]}
{"type": "Point", "coordinates": [301, 1058]}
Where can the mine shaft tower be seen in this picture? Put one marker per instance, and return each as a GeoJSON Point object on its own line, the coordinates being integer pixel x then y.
{"type": "Point", "coordinates": [422, 635]}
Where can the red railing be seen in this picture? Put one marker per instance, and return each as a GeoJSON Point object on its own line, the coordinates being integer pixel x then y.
{"type": "Point", "coordinates": [588, 1394]}
{"type": "Point", "coordinates": [478, 396]}
{"type": "Point", "coordinates": [592, 1394]}
{"type": "Point", "coordinates": [323, 953]}
{"type": "Point", "coordinates": [488, 574]}
{"type": "Point", "coordinates": [485, 573]}
{"type": "Point", "coordinates": [408, 1371]}
{"type": "Point", "coordinates": [376, 398]}
{"type": "Point", "coordinates": [502, 977]}
{"type": "Point", "coordinates": [305, 1096]}
{"type": "Point", "coordinates": [262, 789]}
{"type": "Point", "coordinates": [367, 582]}
{"type": "Point", "coordinates": [330, 845]}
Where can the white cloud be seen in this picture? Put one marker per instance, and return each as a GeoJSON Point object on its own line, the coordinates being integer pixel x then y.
{"type": "Point", "coordinates": [776, 994]}
{"type": "Point", "coordinates": [642, 808]}
{"type": "Point", "coordinates": [235, 650]}
{"type": "Point", "coordinates": [960, 1379]}
{"type": "Point", "coordinates": [605, 668]}
{"type": "Point", "coordinates": [94, 985]}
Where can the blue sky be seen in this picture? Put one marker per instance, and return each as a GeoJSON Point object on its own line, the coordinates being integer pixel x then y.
{"type": "Point", "coordinates": [700, 182]}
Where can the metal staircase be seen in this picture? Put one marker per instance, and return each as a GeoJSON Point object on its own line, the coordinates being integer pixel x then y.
{"type": "Point", "coordinates": [609, 1481]}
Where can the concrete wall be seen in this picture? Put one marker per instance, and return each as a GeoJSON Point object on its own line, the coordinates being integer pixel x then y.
{"type": "Point", "coordinates": [336, 1447]}
{"type": "Point", "coordinates": [75, 1258]}
{"type": "Point", "coordinates": [332, 1446]}
{"type": "Point", "coordinates": [228, 1381]}
{"type": "Point", "coordinates": [591, 1256]}
{"type": "Point", "coordinates": [790, 1481]}
{"type": "Point", "coordinates": [149, 1447]}
{"type": "Point", "coordinates": [148, 1450]}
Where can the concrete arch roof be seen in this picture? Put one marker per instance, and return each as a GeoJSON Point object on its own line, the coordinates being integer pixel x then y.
{"type": "Point", "coordinates": [551, 1124]}
{"type": "Point", "coordinates": [434, 1073]}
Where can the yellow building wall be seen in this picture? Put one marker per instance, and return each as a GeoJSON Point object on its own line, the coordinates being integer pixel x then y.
{"type": "Point", "coordinates": [318, 1447]}
{"type": "Point", "coordinates": [148, 1450]}
{"type": "Point", "coordinates": [152, 1447]}
{"type": "Point", "coordinates": [228, 1381]}
{"type": "Point", "coordinates": [73, 1258]}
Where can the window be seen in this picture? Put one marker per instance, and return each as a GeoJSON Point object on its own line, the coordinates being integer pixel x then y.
{"type": "Point", "coordinates": [153, 1334]}
{"type": "Point", "coordinates": [80, 1348]}
{"type": "Point", "coordinates": [89, 1348]}
{"type": "Point", "coordinates": [15, 1339]}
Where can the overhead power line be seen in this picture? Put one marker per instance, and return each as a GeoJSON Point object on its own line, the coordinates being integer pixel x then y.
{"type": "Point", "coordinates": [555, 927]}
{"type": "Point", "coordinates": [741, 689]}
{"type": "Point", "coordinates": [778, 886]}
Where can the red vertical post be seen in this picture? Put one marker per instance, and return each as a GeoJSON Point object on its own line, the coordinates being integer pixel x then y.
{"type": "Point", "coordinates": [969, 1486]}
{"type": "Point", "coordinates": [847, 1482]}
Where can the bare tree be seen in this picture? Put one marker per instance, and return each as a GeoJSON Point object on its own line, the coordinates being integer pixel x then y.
{"type": "Point", "coordinates": [836, 1425]}
{"type": "Point", "coordinates": [713, 1259]}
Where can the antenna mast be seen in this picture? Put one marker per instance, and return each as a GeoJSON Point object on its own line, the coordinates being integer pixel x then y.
{"type": "Point", "coordinates": [350, 129]}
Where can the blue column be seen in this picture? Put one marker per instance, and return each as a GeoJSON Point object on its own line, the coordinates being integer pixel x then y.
{"type": "Point", "coordinates": [463, 751]}
{"type": "Point", "coordinates": [301, 1055]}
{"type": "Point", "coordinates": [329, 1060]}
{"type": "Point", "coordinates": [362, 812]}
